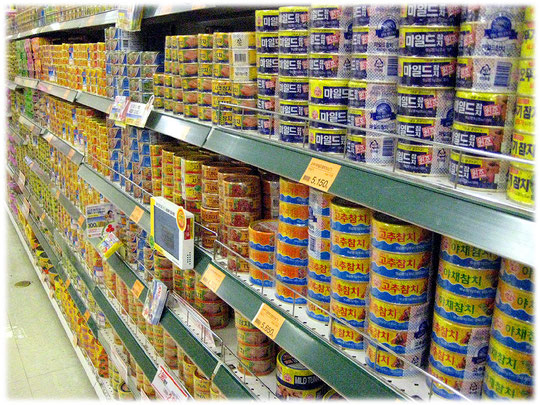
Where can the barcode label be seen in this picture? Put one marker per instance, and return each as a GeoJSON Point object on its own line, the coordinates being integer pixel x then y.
{"type": "Point", "coordinates": [240, 57]}
{"type": "Point", "coordinates": [392, 66]}
{"type": "Point", "coordinates": [502, 74]}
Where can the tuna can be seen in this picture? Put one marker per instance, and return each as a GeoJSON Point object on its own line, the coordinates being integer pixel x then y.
{"type": "Point", "coordinates": [419, 102]}
{"type": "Point", "coordinates": [463, 310]}
{"type": "Point", "coordinates": [477, 172]}
{"type": "Point", "coordinates": [428, 41]}
{"type": "Point", "coordinates": [348, 292]}
{"type": "Point", "coordinates": [498, 35]}
{"type": "Point", "coordinates": [512, 332]}
{"type": "Point", "coordinates": [291, 372]}
{"type": "Point", "coordinates": [489, 109]}
{"type": "Point", "coordinates": [237, 235]}
{"type": "Point", "coordinates": [251, 337]}
{"type": "Point", "coordinates": [255, 352]}
{"type": "Point", "coordinates": [399, 291]}
{"type": "Point", "coordinates": [293, 18]}
{"type": "Point", "coordinates": [359, 39]}
{"type": "Point", "coordinates": [498, 75]}
{"type": "Point", "coordinates": [379, 150]}
{"type": "Point", "coordinates": [328, 65]}
{"type": "Point", "coordinates": [245, 122]}
{"type": "Point", "coordinates": [493, 139]}
{"type": "Point", "coordinates": [293, 42]}
{"type": "Point", "coordinates": [387, 364]}
{"type": "Point", "coordinates": [358, 92]}
{"type": "Point", "coordinates": [318, 269]}
{"type": "Point", "coordinates": [458, 338]}
{"type": "Point", "coordinates": [470, 282]}
{"type": "Point", "coordinates": [526, 77]}
{"type": "Point", "coordinates": [523, 146]}
{"type": "Point", "coordinates": [244, 90]}
{"type": "Point", "coordinates": [265, 124]}
{"type": "Point", "coordinates": [291, 273]}
{"type": "Point", "coordinates": [291, 65]}
{"type": "Point", "coordinates": [381, 34]}
{"type": "Point", "coordinates": [325, 40]}
{"type": "Point", "coordinates": [375, 67]}
{"type": "Point", "coordinates": [201, 386]}
{"type": "Point", "coordinates": [266, 103]}
{"type": "Point", "coordinates": [355, 147]}
{"type": "Point", "coordinates": [466, 366]}
{"type": "Point", "coordinates": [393, 235]}
{"type": "Point", "coordinates": [497, 387]}
{"type": "Point", "coordinates": [400, 341]}
{"type": "Point", "coordinates": [330, 17]}
{"type": "Point", "coordinates": [294, 88]}
{"type": "Point", "coordinates": [349, 217]}
{"type": "Point", "coordinates": [421, 159]}
{"type": "Point", "coordinates": [380, 118]}
{"type": "Point", "coordinates": [511, 364]}
{"type": "Point", "coordinates": [293, 234]}
{"type": "Point", "coordinates": [521, 183]}
{"type": "Point", "coordinates": [430, 14]}
{"type": "Point", "coordinates": [319, 247]}
{"type": "Point", "coordinates": [293, 214]}
{"type": "Point", "coordinates": [327, 140]}
{"type": "Point", "coordinates": [241, 185]}
{"type": "Point", "coordinates": [318, 290]}
{"type": "Point", "coordinates": [267, 42]}
{"type": "Point", "coordinates": [524, 115]}
{"type": "Point", "coordinates": [465, 255]}
{"type": "Point", "coordinates": [293, 189]}
{"type": "Point", "coordinates": [471, 388]}
{"type": "Point", "coordinates": [344, 336]}
{"type": "Point", "coordinates": [359, 67]}
{"type": "Point", "coordinates": [290, 293]}
{"type": "Point", "coordinates": [350, 268]}
{"type": "Point", "coordinates": [515, 302]}
{"type": "Point", "coordinates": [396, 316]}
{"type": "Point", "coordinates": [266, 84]}
{"type": "Point", "coordinates": [294, 108]}
{"type": "Point", "coordinates": [329, 91]}
{"type": "Point", "coordinates": [291, 255]}
{"type": "Point", "coordinates": [292, 132]}
{"type": "Point", "coordinates": [258, 276]}
{"type": "Point", "coordinates": [256, 367]}
{"type": "Point", "coordinates": [318, 225]}
{"type": "Point", "coordinates": [427, 72]}
{"type": "Point", "coordinates": [320, 202]}
{"type": "Point", "coordinates": [333, 114]}
{"type": "Point", "coordinates": [401, 265]}
{"type": "Point", "coordinates": [517, 274]}
{"type": "Point", "coordinates": [266, 20]}
{"type": "Point", "coordinates": [432, 129]}
{"type": "Point", "coordinates": [354, 315]}
{"type": "Point", "coordinates": [318, 310]}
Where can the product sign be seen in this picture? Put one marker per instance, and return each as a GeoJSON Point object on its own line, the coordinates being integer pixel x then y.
{"type": "Point", "coordinates": [166, 386]}
{"type": "Point", "coordinates": [100, 218]}
{"type": "Point", "coordinates": [137, 113]}
{"type": "Point", "coordinates": [320, 174]}
{"type": "Point", "coordinates": [118, 110]}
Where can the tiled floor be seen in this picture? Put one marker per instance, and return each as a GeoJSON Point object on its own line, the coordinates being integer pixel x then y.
{"type": "Point", "coordinates": [41, 361]}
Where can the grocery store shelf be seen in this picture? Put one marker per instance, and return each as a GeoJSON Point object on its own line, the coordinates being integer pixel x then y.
{"type": "Point", "coordinates": [26, 82]}
{"type": "Point", "coordinates": [18, 138]}
{"type": "Point", "coordinates": [56, 90]}
{"type": "Point", "coordinates": [505, 231]}
{"type": "Point", "coordinates": [94, 101]}
{"type": "Point", "coordinates": [11, 85]}
{"type": "Point", "coordinates": [30, 125]}
{"type": "Point", "coordinates": [64, 147]}
{"type": "Point", "coordinates": [186, 130]}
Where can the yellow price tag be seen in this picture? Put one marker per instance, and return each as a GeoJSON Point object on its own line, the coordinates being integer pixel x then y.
{"type": "Point", "coordinates": [42, 217]}
{"type": "Point", "coordinates": [80, 221]}
{"type": "Point", "coordinates": [137, 288]}
{"type": "Point", "coordinates": [68, 283]}
{"type": "Point", "coordinates": [48, 137]}
{"type": "Point", "coordinates": [212, 277]}
{"type": "Point", "coordinates": [57, 194]}
{"type": "Point", "coordinates": [320, 174]}
{"type": "Point", "coordinates": [87, 315]}
{"type": "Point", "coordinates": [268, 321]}
{"type": "Point", "coordinates": [71, 153]}
{"type": "Point", "coordinates": [136, 214]}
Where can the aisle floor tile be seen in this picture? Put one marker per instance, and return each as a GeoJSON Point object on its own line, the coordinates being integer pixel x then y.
{"type": "Point", "coordinates": [71, 382]}
{"type": "Point", "coordinates": [19, 390]}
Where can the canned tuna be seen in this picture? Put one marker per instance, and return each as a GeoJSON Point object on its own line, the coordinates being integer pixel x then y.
{"type": "Point", "coordinates": [427, 72]}
{"type": "Point", "coordinates": [293, 18]}
{"type": "Point", "coordinates": [499, 75]}
{"type": "Point", "coordinates": [293, 42]}
{"type": "Point", "coordinates": [478, 172]}
{"type": "Point", "coordinates": [327, 65]}
{"type": "Point", "coordinates": [293, 88]}
{"type": "Point", "coordinates": [493, 139]}
{"type": "Point", "coordinates": [329, 91]}
{"type": "Point", "coordinates": [293, 65]}
{"type": "Point", "coordinates": [428, 41]}
{"type": "Point", "coordinates": [430, 14]}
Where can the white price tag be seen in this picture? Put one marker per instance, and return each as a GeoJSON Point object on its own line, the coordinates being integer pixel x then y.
{"type": "Point", "coordinates": [166, 386]}
{"type": "Point", "coordinates": [119, 363]}
{"type": "Point", "coordinates": [138, 113]}
{"type": "Point", "coordinates": [197, 322]}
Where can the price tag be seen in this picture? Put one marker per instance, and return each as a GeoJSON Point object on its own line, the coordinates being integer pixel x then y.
{"type": "Point", "coordinates": [136, 214]}
{"type": "Point", "coordinates": [137, 288]}
{"type": "Point", "coordinates": [268, 321]}
{"type": "Point", "coordinates": [80, 221]}
{"type": "Point", "coordinates": [87, 315]}
{"type": "Point", "coordinates": [320, 174]}
{"type": "Point", "coordinates": [48, 137]}
{"type": "Point", "coordinates": [71, 153]}
{"type": "Point", "coordinates": [57, 194]}
{"type": "Point", "coordinates": [212, 277]}
{"type": "Point", "coordinates": [137, 113]}
{"type": "Point", "coordinates": [68, 283]}
{"type": "Point", "coordinates": [167, 387]}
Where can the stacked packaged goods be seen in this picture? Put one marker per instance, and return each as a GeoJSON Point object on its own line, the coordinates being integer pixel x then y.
{"type": "Point", "coordinates": [201, 386]}
{"type": "Point", "coordinates": [189, 286]}
{"type": "Point", "coordinates": [262, 246]}
{"type": "Point", "coordinates": [167, 172]}
{"type": "Point", "coordinates": [521, 176]}
{"type": "Point", "coordinates": [510, 357]}
{"type": "Point", "coordinates": [163, 270]}
{"type": "Point", "coordinates": [241, 206]}
{"type": "Point", "coordinates": [178, 280]}
{"type": "Point", "coordinates": [191, 167]}
{"type": "Point", "coordinates": [294, 380]}
{"type": "Point", "coordinates": [330, 45]}
{"type": "Point", "coordinates": [466, 286]}
{"type": "Point", "coordinates": [350, 227]}
{"type": "Point", "coordinates": [163, 82]}
{"type": "Point", "coordinates": [188, 70]}
{"type": "Point", "coordinates": [270, 194]}
{"type": "Point", "coordinates": [372, 89]}
{"type": "Point", "coordinates": [243, 74]}
{"type": "Point", "coordinates": [318, 243]}
{"type": "Point", "coordinates": [221, 82]}
{"type": "Point", "coordinates": [489, 45]}
{"type": "Point", "coordinates": [188, 368]}
{"type": "Point", "coordinates": [428, 38]}
{"type": "Point", "coordinates": [399, 284]}
{"type": "Point", "coordinates": [254, 349]}
{"type": "Point", "coordinates": [292, 246]}
{"type": "Point", "coordinates": [131, 243]}
{"type": "Point", "coordinates": [213, 308]}
{"type": "Point", "coordinates": [266, 38]}
{"type": "Point", "coordinates": [293, 79]}
{"type": "Point", "coordinates": [205, 57]}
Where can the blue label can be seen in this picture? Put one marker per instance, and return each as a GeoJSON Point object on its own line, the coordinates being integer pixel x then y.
{"type": "Point", "coordinates": [293, 42]}
{"type": "Point", "coordinates": [478, 172]}
{"type": "Point", "coordinates": [266, 84]}
{"type": "Point", "coordinates": [358, 66]}
{"type": "Point", "coordinates": [293, 18]}
{"type": "Point", "coordinates": [329, 91]}
{"type": "Point", "coordinates": [355, 147]}
{"type": "Point", "coordinates": [330, 17]}
{"type": "Point", "coordinates": [357, 93]}
{"type": "Point", "coordinates": [430, 14]}
{"type": "Point", "coordinates": [296, 108]}
{"type": "Point", "coordinates": [329, 65]}
{"type": "Point", "coordinates": [327, 140]}
{"type": "Point", "coordinates": [267, 63]}
{"type": "Point", "coordinates": [293, 65]}
{"type": "Point", "coordinates": [427, 72]}
{"type": "Point", "coordinates": [293, 88]}
{"type": "Point", "coordinates": [333, 114]}
{"type": "Point", "coordinates": [428, 41]}
{"type": "Point", "coordinates": [292, 132]}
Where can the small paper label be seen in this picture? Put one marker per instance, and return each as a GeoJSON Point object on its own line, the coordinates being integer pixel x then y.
{"type": "Point", "coordinates": [167, 387]}
{"type": "Point", "coordinates": [137, 288]}
{"type": "Point", "coordinates": [87, 315]}
{"type": "Point", "coordinates": [268, 321]}
{"type": "Point", "coordinates": [320, 174]}
{"type": "Point", "coordinates": [137, 113]}
{"type": "Point", "coordinates": [80, 221]}
{"type": "Point", "coordinates": [136, 214]}
{"type": "Point", "coordinates": [212, 277]}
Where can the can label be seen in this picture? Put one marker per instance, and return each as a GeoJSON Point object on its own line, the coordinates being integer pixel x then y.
{"type": "Point", "coordinates": [471, 388]}
{"type": "Point", "coordinates": [330, 17]}
{"type": "Point", "coordinates": [292, 65]}
{"type": "Point", "coordinates": [400, 341]}
{"type": "Point", "coordinates": [510, 364]}
{"type": "Point", "coordinates": [400, 238]}
{"type": "Point", "coordinates": [266, 85]}
{"type": "Point", "coordinates": [291, 273]}
{"type": "Point", "coordinates": [521, 184]}
{"type": "Point", "coordinates": [497, 387]}
{"type": "Point", "coordinates": [262, 259]}
{"type": "Point", "coordinates": [430, 14]}
{"type": "Point", "coordinates": [526, 77]}
{"type": "Point", "coordinates": [327, 140]}
{"type": "Point", "coordinates": [328, 91]}
{"type": "Point", "coordinates": [383, 33]}
{"type": "Point", "coordinates": [462, 254]}
{"type": "Point", "coordinates": [396, 316]}
{"type": "Point", "coordinates": [245, 122]}
{"type": "Point", "coordinates": [360, 39]}
{"type": "Point", "coordinates": [517, 274]}
{"type": "Point", "coordinates": [348, 292]}
{"type": "Point", "coordinates": [425, 102]}
{"type": "Point", "coordinates": [515, 302]}
{"type": "Point", "coordinates": [351, 245]}
{"type": "Point", "coordinates": [319, 290]}
{"type": "Point", "coordinates": [319, 269]}
{"type": "Point", "coordinates": [512, 332]}
{"type": "Point", "coordinates": [292, 255]}
{"type": "Point", "coordinates": [327, 65]}
{"type": "Point", "coordinates": [463, 310]}
{"type": "Point", "coordinates": [457, 364]}
{"type": "Point", "coordinates": [267, 42]}
{"type": "Point", "coordinates": [284, 293]}
{"type": "Point", "coordinates": [344, 336]}
{"type": "Point", "coordinates": [293, 18]}
{"type": "Point", "coordinates": [494, 139]}
{"type": "Point", "coordinates": [292, 132]}
{"type": "Point", "coordinates": [478, 173]}
{"type": "Point", "coordinates": [459, 338]}
{"type": "Point", "coordinates": [487, 74]}
{"type": "Point", "coordinates": [357, 93]}
{"type": "Point", "coordinates": [293, 214]}
{"type": "Point", "coordinates": [265, 124]}
{"type": "Point", "coordinates": [399, 291]}
{"type": "Point", "coordinates": [293, 42]}
{"type": "Point", "coordinates": [423, 160]}
{"type": "Point", "coordinates": [386, 363]}
{"type": "Point", "coordinates": [350, 268]}
{"type": "Point", "coordinates": [359, 66]}
{"type": "Point", "coordinates": [313, 311]}
{"type": "Point", "coordinates": [489, 109]}
{"type": "Point", "coordinates": [400, 265]}
{"type": "Point", "coordinates": [266, 20]}
{"type": "Point", "coordinates": [476, 283]}
{"type": "Point", "coordinates": [428, 41]}
{"type": "Point", "coordinates": [354, 315]}
{"type": "Point", "coordinates": [355, 147]}
{"type": "Point", "coordinates": [293, 88]}
{"type": "Point", "coordinates": [433, 129]}
{"type": "Point", "coordinates": [329, 41]}
{"type": "Point", "coordinates": [350, 219]}
{"type": "Point", "coordinates": [318, 225]}
{"type": "Point", "coordinates": [319, 247]}
{"type": "Point", "coordinates": [427, 72]}
{"type": "Point", "coordinates": [333, 114]}
{"type": "Point", "coordinates": [266, 103]}
{"type": "Point", "coordinates": [267, 63]}
{"type": "Point", "coordinates": [524, 115]}
{"type": "Point", "coordinates": [381, 68]}
{"type": "Point", "coordinates": [295, 108]}
{"type": "Point", "coordinates": [523, 146]}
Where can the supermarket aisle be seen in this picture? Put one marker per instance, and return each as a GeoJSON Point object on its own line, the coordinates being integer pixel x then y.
{"type": "Point", "coordinates": [41, 362]}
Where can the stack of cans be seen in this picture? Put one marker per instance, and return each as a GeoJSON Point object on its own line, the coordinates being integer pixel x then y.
{"type": "Point", "coordinates": [266, 38]}
{"type": "Point", "coordinates": [178, 280]}
{"type": "Point", "coordinates": [177, 180]}
{"type": "Point", "coordinates": [270, 194]}
{"type": "Point", "coordinates": [372, 90]}
{"type": "Point", "coordinates": [169, 351]}
{"type": "Point", "coordinates": [221, 83]}
{"type": "Point", "coordinates": [262, 246]}
{"type": "Point", "coordinates": [141, 244]}
{"type": "Point", "coordinates": [350, 226]}
{"type": "Point", "coordinates": [330, 45]}
{"type": "Point", "coordinates": [163, 270]}
{"type": "Point", "coordinates": [466, 286]}
{"type": "Point", "coordinates": [428, 37]}
{"type": "Point", "coordinates": [318, 254]}
{"type": "Point", "coordinates": [145, 137]}
{"type": "Point", "coordinates": [188, 69]}
{"type": "Point", "coordinates": [295, 381]}
{"type": "Point", "coordinates": [509, 370]}
{"type": "Point", "coordinates": [189, 286]}
{"type": "Point", "coordinates": [243, 59]}
{"type": "Point", "coordinates": [210, 201]}
{"type": "Point", "coordinates": [293, 80]}
{"type": "Point", "coordinates": [192, 182]}
{"type": "Point", "coordinates": [213, 308]}
{"type": "Point", "coordinates": [241, 206]}
{"type": "Point", "coordinates": [205, 57]}
{"type": "Point", "coordinates": [117, 148]}
{"type": "Point", "coordinates": [521, 176]}
{"type": "Point", "coordinates": [400, 282]}
{"type": "Point", "coordinates": [485, 99]}
{"type": "Point", "coordinates": [155, 162]}
{"type": "Point", "coordinates": [255, 350]}
{"type": "Point", "coordinates": [167, 173]}
{"type": "Point", "coordinates": [131, 243]}
{"type": "Point", "coordinates": [292, 246]}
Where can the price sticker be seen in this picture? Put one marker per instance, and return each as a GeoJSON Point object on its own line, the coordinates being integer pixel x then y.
{"type": "Point", "coordinates": [320, 174]}
{"type": "Point", "coordinates": [268, 321]}
{"type": "Point", "coordinates": [137, 288]}
{"type": "Point", "coordinates": [57, 194]}
{"type": "Point", "coordinates": [68, 283]}
{"type": "Point", "coordinates": [87, 315]}
{"type": "Point", "coordinates": [137, 113]}
{"type": "Point", "coordinates": [80, 221]}
{"type": "Point", "coordinates": [71, 153]}
{"type": "Point", "coordinates": [136, 214]}
{"type": "Point", "coordinates": [48, 137]}
{"type": "Point", "coordinates": [42, 217]}
{"type": "Point", "coordinates": [212, 277]}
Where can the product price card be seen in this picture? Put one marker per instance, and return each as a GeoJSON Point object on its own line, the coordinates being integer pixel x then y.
{"type": "Point", "coordinates": [212, 278]}
{"type": "Point", "coordinates": [320, 174]}
{"type": "Point", "coordinates": [268, 321]}
{"type": "Point", "coordinates": [166, 386]}
{"type": "Point", "coordinates": [137, 113]}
